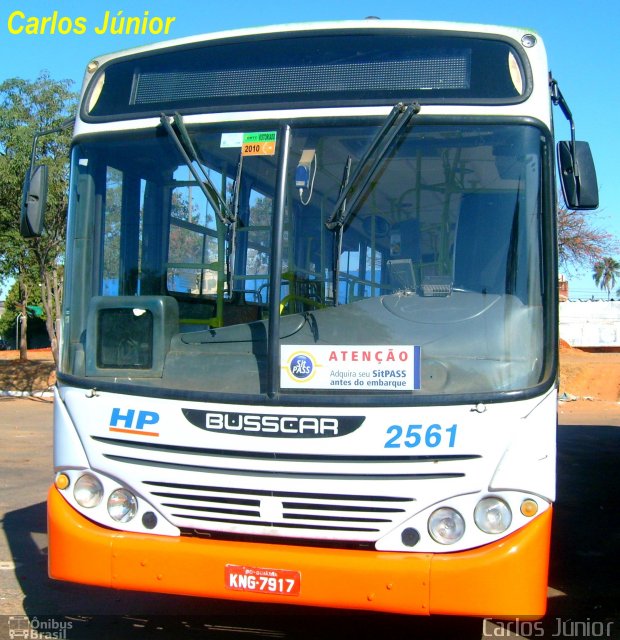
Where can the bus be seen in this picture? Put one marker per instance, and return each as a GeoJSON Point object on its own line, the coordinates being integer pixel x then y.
{"type": "Point", "coordinates": [309, 343]}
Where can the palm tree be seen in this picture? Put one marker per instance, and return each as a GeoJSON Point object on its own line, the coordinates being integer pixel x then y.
{"type": "Point", "coordinates": [606, 273]}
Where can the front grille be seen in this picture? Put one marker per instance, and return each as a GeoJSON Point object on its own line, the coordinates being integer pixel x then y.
{"type": "Point", "coordinates": [295, 510]}
{"type": "Point", "coordinates": [356, 498]}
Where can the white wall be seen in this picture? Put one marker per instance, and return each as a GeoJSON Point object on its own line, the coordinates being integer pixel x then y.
{"type": "Point", "coordinates": [594, 323]}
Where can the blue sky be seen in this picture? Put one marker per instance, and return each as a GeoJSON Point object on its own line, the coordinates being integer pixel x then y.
{"type": "Point", "coordinates": [581, 39]}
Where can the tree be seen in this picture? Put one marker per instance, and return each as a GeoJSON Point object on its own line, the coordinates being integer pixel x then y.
{"type": "Point", "coordinates": [580, 242]}
{"type": "Point", "coordinates": [12, 320]}
{"type": "Point", "coordinates": [25, 109]}
{"type": "Point", "coordinates": [606, 273]}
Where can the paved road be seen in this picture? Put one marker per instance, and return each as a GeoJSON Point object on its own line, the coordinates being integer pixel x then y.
{"type": "Point", "coordinates": [585, 589]}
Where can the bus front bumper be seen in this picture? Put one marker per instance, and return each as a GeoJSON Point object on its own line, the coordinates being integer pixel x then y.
{"type": "Point", "coordinates": [505, 579]}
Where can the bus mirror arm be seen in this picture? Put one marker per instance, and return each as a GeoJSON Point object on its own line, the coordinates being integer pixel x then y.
{"type": "Point", "coordinates": [34, 193]}
{"type": "Point", "coordinates": [557, 97]}
{"type": "Point", "coordinates": [576, 165]}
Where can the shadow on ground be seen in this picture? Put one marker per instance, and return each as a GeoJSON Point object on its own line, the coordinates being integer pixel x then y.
{"type": "Point", "coordinates": [28, 376]}
{"type": "Point", "coordinates": [586, 531]}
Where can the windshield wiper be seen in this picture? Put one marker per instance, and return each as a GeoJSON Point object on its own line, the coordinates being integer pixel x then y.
{"type": "Point", "coordinates": [188, 152]}
{"type": "Point", "coordinates": [367, 166]}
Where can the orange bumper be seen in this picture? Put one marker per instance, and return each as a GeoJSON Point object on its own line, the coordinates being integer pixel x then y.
{"type": "Point", "coordinates": [504, 579]}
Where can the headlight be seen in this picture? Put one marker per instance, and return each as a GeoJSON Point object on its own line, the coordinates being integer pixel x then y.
{"type": "Point", "coordinates": [446, 525]}
{"type": "Point", "coordinates": [88, 491]}
{"type": "Point", "coordinates": [492, 515]}
{"type": "Point", "coordinates": [122, 505]}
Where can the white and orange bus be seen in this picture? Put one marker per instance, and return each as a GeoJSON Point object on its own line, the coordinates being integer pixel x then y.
{"type": "Point", "coordinates": [309, 339]}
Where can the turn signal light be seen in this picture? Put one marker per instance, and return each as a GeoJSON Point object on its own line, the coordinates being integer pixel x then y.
{"type": "Point", "coordinates": [62, 481]}
{"type": "Point", "coordinates": [529, 508]}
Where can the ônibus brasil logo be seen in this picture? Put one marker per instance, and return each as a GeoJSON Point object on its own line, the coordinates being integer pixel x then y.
{"type": "Point", "coordinates": [301, 367]}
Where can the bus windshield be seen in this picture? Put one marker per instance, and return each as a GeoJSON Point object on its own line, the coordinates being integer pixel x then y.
{"type": "Point", "coordinates": [439, 262]}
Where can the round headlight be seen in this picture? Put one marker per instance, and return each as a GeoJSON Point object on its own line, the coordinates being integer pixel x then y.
{"type": "Point", "coordinates": [88, 491]}
{"type": "Point", "coordinates": [492, 515]}
{"type": "Point", "coordinates": [446, 525]}
{"type": "Point", "coordinates": [122, 505]}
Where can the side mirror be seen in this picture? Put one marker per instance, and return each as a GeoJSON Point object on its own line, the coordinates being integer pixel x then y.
{"type": "Point", "coordinates": [34, 199]}
{"type": "Point", "coordinates": [578, 175]}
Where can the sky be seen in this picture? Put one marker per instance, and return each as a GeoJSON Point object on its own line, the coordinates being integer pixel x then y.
{"type": "Point", "coordinates": [581, 40]}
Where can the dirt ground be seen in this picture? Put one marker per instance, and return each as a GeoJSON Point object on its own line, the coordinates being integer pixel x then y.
{"type": "Point", "coordinates": [592, 378]}
{"type": "Point", "coordinates": [592, 383]}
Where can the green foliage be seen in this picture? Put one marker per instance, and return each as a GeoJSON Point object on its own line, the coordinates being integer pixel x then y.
{"type": "Point", "coordinates": [27, 108]}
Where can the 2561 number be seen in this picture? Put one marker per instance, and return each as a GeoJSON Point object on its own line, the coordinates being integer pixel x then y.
{"type": "Point", "coordinates": [416, 434]}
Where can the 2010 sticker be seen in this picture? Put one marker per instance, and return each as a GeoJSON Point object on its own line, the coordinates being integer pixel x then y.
{"type": "Point", "coordinates": [255, 143]}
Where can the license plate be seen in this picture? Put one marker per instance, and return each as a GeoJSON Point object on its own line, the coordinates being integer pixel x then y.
{"type": "Point", "coordinates": [281, 582]}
